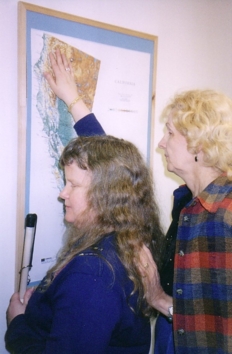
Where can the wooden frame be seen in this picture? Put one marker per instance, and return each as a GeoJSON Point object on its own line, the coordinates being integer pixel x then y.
{"type": "Point", "coordinates": [121, 40]}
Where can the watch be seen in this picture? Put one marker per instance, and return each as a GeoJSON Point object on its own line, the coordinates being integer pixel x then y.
{"type": "Point", "coordinates": [170, 313]}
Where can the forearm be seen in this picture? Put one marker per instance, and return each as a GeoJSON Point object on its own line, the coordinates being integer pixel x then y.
{"type": "Point", "coordinates": [89, 126]}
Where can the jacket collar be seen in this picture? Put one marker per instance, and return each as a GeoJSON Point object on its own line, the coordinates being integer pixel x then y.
{"type": "Point", "coordinates": [213, 195]}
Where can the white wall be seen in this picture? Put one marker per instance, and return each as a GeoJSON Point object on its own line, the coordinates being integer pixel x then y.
{"type": "Point", "coordinates": [194, 51]}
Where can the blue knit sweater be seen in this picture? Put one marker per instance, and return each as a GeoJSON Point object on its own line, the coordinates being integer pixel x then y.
{"type": "Point", "coordinates": [85, 310]}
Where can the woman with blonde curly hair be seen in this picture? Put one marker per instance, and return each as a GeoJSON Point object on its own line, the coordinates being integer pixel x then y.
{"type": "Point", "coordinates": [197, 146]}
{"type": "Point", "coordinates": [92, 300]}
{"type": "Point", "coordinates": [204, 119]}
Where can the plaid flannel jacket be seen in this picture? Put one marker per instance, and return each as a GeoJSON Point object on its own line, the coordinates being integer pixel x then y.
{"type": "Point", "coordinates": [202, 291]}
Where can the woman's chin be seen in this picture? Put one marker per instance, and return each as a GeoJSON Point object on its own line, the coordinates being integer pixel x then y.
{"type": "Point", "coordinates": [68, 219]}
{"type": "Point", "coordinates": [170, 168]}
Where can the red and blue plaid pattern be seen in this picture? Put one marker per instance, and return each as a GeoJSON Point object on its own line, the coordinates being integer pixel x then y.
{"type": "Point", "coordinates": [202, 291]}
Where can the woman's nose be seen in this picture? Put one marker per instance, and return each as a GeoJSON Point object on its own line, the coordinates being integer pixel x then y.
{"type": "Point", "coordinates": [162, 143]}
{"type": "Point", "coordinates": [63, 193]}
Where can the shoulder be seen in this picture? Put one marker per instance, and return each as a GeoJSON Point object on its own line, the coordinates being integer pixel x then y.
{"type": "Point", "coordinates": [221, 186]}
{"type": "Point", "coordinates": [218, 195]}
{"type": "Point", "coordinates": [215, 204]}
{"type": "Point", "coordinates": [101, 261]}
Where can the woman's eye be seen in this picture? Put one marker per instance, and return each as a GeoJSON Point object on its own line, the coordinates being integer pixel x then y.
{"type": "Point", "coordinates": [74, 185]}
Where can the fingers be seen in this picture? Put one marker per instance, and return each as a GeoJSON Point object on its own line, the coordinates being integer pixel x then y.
{"type": "Point", "coordinates": [147, 253]}
{"type": "Point", "coordinates": [53, 80]}
{"type": "Point", "coordinates": [66, 65]}
{"type": "Point", "coordinates": [145, 257]}
{"type": "Point", "coordinates": [48, 76]}
{"type": "Point", "coordinates": [27, 295]}
{"type": "Point", "coordinates": [56, 62]}
{"type": "Point", "coordinates": [15, 308]}
{"type": "Point", "coordinates": [146, 266]}
{"type": "Point", "coordinates": [143, 264]}
{"type": "Point", "coordinates": [14, 297]}
{"type": "Point", "coordinates": [62, 80]}
{"type": "Point", "coordinates": [62, 62]}
{"type": "Point", "coordinates": [53, 61]}
{"type": "Point", "coordinates": [145, 283]}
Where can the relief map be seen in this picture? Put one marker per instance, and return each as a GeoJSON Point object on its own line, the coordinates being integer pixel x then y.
{"type": "Point", "coordinates": [57, 121]}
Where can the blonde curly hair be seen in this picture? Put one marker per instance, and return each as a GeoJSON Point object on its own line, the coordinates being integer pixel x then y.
{"type": "Point", "coordinates": [121, 197]}
{"type": "Point", "coordinates": [204, 118]}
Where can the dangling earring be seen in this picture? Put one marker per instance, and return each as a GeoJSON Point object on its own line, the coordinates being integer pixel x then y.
{"type": "Point", "coordinates": [196, 159]}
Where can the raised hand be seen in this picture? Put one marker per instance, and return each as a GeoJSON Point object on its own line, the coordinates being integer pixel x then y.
{"type": "Point", "coordinates": [62, 81]}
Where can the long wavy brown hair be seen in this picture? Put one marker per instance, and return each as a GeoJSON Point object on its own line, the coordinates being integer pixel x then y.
{"type": "Point", "coordinates": [121, 198]}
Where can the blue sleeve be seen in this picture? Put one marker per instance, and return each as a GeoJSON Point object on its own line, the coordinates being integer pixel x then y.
{"type": "Point", "coordinates": [89, 126]}
{"type": "Point", "coordinates": [20, 338]}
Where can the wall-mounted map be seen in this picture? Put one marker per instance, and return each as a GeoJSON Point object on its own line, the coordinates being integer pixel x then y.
{"type": "Point", "coordinates": [53, 111]}
{"type": "Point", "coordinates": [114, 73]}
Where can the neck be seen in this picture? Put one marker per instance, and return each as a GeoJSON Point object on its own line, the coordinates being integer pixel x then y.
{"type": "Point", "coordinates": [197, 183]}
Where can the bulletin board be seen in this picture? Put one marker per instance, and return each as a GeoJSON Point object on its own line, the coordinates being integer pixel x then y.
{"type": "Point", "coordinates": [118, 85]}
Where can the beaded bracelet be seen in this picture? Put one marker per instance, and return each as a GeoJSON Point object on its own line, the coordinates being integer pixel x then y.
{"type": "Point", "coordinates": [74, 102]}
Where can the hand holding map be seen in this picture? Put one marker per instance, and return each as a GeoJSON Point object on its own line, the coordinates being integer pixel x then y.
{"type": "Point", "coordinates": [62, 81]}
{"type": "Point", "coordinates": [57, 56]}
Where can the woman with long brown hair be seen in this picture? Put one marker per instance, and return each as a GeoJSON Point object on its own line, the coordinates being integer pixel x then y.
{"type": "Point", "coordinates": [93, 300]}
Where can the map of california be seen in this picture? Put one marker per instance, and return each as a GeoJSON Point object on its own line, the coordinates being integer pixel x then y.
{"type": "Point", "coordinates": [57, 122]}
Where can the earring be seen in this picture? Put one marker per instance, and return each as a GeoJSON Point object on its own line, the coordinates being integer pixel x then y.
{"type": "Point", "coordinates": [196, 159]}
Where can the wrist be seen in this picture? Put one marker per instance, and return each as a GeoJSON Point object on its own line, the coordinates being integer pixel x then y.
{"type": "Point", "coordinates": [170, 313]}
{"type": "Point", "coordinates": [70, 98]}
{"type": "Point", "coordinates": [73, 102]}
{"type": "Point", "coordinates": [164, 304]}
